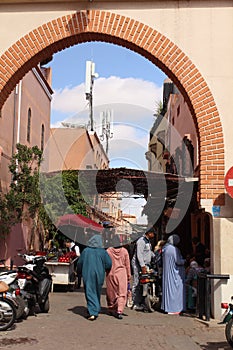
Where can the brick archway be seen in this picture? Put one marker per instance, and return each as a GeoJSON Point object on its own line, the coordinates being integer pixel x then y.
{"type": "Point", "coordinates": [92, 25]}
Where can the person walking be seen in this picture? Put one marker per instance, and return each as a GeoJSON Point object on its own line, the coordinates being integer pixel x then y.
{"type": "Point", "coordinates": [173, 280]}
{"type": "Point", "coordinates": [117, 278]}
{"type": "Point", "coordinates": [140, 263]}
{"type": "Point", "coordinates": [94, 261]}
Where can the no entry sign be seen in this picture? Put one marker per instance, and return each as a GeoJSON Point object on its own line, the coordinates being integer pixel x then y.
{"type": "Point", "coordinates": [229, 182]}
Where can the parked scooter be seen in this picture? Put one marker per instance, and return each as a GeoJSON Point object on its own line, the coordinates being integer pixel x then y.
{"type": "Point", "coordinates": [10, 278]}
{"type": "Point", "coordinates": [7, 308]}
{"type": "Point", "coordinates": [228, 319]}
{"type": "Point", "coordinates": [35, 282]}
{"type": "Point", "coordinates": [151, 289]}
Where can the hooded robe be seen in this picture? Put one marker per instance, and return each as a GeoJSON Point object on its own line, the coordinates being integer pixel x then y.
{"type": "Point", "coordinates": [173, 284]}
{"type": "Point", "coordinates": [117, 279]}
{"type": "Point", "coordinates": [94, 261]}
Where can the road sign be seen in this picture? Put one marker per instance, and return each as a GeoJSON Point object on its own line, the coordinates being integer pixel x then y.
{"type": "Point", "coordinates": [228, 182]}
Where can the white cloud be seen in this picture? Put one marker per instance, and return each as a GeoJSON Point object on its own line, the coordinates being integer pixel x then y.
{"type": "Point", "coordinates": [68, 102]}
{"type": "Point", "coordinates": [132, 103]}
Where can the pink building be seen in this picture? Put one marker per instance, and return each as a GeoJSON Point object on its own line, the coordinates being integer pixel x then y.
{"type": "Point", "coordinates": [173, 149]}
{"type": "Point", "coordinates": [173, 146]}
{"type": "Point", "coordinates": [25, 119]}
{"type": "Point", "coordinates": [74, 148]}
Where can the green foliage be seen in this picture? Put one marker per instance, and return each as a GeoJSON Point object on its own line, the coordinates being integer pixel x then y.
{"type": "Point", "coordinates": [61, 194]}
{"type": "Point", "coordinates": [72, 192]}
{"type": "Point", "coordinates": [41, 197]}
{"type": "Point", "coordinates": [159, 109]}
{"type": "Point", "coordinates": [23, 200]}
{"type": "Point", "coordinates": [6, 220]}
{"type": "Point", "coordinates": [24, 189]}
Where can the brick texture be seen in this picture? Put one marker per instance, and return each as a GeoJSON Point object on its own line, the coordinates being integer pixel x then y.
{"type": "Point", "coordinates": [104, 26]}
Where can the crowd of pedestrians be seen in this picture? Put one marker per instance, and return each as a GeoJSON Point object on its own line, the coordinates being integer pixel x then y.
{"type": "Point", "coordinates": [179, 274]}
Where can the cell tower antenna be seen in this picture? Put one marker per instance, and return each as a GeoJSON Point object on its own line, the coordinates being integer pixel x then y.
{"type": "Point", "coordinates": [90, 76]}
{"type": "Point", "coordinates": [106, 120]}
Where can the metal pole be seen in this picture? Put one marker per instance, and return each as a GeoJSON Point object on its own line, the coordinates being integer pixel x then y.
{"type": "Point", "coordinates": [91, 107]}
{"type": "Point", "coordinates": [90, 75]}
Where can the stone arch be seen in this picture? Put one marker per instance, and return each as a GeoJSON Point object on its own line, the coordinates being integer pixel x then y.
{"type": "Point", "coordinates": [96, 25]}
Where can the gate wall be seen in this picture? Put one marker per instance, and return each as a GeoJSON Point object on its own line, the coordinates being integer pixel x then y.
{"type": "Point", "coordinates": [191, 41]}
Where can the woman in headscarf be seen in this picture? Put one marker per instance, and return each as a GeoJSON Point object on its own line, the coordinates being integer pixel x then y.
{"type": "Point", "coordinates": [94, 261]}
{"type": "Point", "coordinates": [173, 285]}
{"type": "Point", "coordinates": [191, 284]}
{"type": "Point", "coordinates": [117, 279]}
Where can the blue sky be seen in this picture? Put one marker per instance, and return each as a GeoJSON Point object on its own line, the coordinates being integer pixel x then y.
{"type": "Point", "coordinates": [116, 66]}
{"type": "Point", "coordinates": [111, 60]}
{"type": "Point", "coordinates": [128, 85]}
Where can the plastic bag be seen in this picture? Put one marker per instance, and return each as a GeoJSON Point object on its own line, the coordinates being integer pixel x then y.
{"type": "Point", "coordinates": [129, 302]}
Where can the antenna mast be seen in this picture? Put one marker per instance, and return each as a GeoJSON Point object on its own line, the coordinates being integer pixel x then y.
{"type": "Point", "coordinates": [106, 120]}
{"type": "Point", "coordinates": [90, 75]}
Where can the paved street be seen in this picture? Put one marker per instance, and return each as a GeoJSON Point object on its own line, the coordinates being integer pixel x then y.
{"type": "Point", "coordinates": [66, 326]}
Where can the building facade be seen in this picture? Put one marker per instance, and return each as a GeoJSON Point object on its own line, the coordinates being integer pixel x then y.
{"type": "Point", "coordinates": [25, 119]}
{"type": "Point", "coordinates": [186, 39]}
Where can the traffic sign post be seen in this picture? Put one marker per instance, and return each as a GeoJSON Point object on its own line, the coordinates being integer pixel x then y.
{"type": "Point", "coordinates": [228, 182]}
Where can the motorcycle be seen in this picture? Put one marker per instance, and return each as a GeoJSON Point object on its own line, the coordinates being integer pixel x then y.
{"type": "Point", "coordinates": [10, 278]}
{"type": "Point", "coordinates": [227, 318]}
{"type": "Point", "coordinates": [35, 282]}
{"type": "Point", "coordinates": [151, 289]}
{"type": "Point", "coordinates": [7, 308]}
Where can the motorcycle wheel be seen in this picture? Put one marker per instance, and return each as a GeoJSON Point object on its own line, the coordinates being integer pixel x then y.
{"type": "Point", "coordinates": [26, 310]}
{"type": "Point", "coordinates": [7, 314]}
{"type": "Point", "coordinates": [44, 307]}
{"type": "Point", "coordinates": [21, 306]}
{"type": "Point", "coordinates": [229, 332]}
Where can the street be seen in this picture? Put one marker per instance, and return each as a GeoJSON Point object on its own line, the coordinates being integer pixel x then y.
{"type": "Point", "coordinates": [66, 326]}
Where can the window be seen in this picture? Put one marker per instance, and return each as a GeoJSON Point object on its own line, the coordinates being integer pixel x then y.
{"type": "Point", "coordinates": [42, 138]}
{"type": "Point", "coordinates": [29, 125]}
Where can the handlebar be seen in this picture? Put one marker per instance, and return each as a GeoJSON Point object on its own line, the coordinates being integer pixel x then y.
{"type": "Point", "coordinates": [32, 258]}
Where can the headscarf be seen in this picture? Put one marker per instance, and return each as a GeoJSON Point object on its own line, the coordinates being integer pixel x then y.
{"type": "Point", "coordinates": [173, 239]}
{"type": "Point", "coordinates": [95, 242]}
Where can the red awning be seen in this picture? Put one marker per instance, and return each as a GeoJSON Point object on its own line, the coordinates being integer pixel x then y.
{"type": "Point", "coordinates": [79, 221]}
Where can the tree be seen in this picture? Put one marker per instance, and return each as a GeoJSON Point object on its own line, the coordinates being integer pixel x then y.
{"type": "Point", "coordinates": [61, 194]}
{"type": "Point", "coordinates": [23, 201]}
{"type": "Point", "coordinates": [38, 198]}
{"type": "Point", "coordinates": [6, 218]}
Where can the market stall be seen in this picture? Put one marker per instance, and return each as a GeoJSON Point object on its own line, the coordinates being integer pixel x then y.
{"type": "Point", "coordinates": [62, 271]}
{"type": "Point", "coordinates": [72, 226]}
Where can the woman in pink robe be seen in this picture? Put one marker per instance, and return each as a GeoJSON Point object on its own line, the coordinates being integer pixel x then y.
{"type": "Point", "coordinates": [117, 280]}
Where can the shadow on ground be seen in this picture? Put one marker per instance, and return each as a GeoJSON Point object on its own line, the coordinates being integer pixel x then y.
{"type": "Point", "coordinates": [79, 310]}
{"type": "Point", "coordinates": [216, 346]}
{"type": "Point", "coordinates": [82, 311]}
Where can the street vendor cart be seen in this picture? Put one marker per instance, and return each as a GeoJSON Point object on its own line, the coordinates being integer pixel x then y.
{"type": "Point", "coordinates": [63, 273]}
